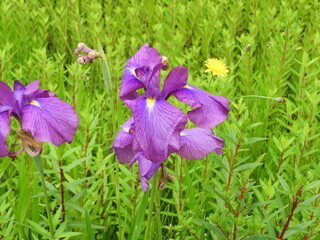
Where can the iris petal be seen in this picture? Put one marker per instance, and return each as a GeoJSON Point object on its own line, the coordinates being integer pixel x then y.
{"type": "Point", "coordinates": [157, 127]}
{"type": "Point", "coordinates": [6, 95]}
{"type": "Point", "coordinates": [32, 87]}
{"type": "Point", "coordinates": [32, 91]}
{"type": "Point", "coordinates": [129, 86]}
{"type": "Point", "coordinates": [4, 131]}
{"type": "Point", "coordinates": [198, 142]}
{"type": "Point", "coordinates": [19, 90]}
{"type": "Point", "coordinates": [138, 69]}
{"type": "Point", "coordinates": [122, 144]}
{"type": "Point", "coordinates": [50, 120]}
{"type": "Point", "coordinates": [147, 169]}
{"type": "Point", "coordinates": [176, 79]}
{"type": "Point", "coordinates": [43, 93]}
{"type": "Point", "coordinates": [210, 110]}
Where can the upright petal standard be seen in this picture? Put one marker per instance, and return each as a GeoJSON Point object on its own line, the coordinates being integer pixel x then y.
{"type": "Point", "coordinates": [138, 70]}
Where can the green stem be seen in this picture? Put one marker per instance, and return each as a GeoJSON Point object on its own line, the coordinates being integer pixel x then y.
{"type": "Point", "coordinates": [154, 189]}
{"type": "Point", "coordinates": [234, 67]}
{"type": "Point", "coordinates": [257, 96]}
{"type": "Point", "coordinates": [118, 200]}
{"type": "Point", "coordinates": [39, 165]}
{"type": "Point", "coordinates": [158, 202]}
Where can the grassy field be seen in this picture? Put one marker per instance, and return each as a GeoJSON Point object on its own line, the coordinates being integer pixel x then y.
{"type": "Point", "coordinates": [266, 185]}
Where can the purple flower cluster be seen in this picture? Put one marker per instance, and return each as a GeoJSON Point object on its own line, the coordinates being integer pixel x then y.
{"type": "Point", "coordinates": [157, 128]}
{"type": "Point", "coordinates": [41, 114]}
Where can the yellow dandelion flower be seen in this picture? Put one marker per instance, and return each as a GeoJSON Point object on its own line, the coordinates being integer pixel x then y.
{"type": "Point", "coordinates": [217, 67]}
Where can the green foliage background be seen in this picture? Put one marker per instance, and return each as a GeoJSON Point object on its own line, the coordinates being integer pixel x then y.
{"type": "Point", "coordinates": [269, 175]}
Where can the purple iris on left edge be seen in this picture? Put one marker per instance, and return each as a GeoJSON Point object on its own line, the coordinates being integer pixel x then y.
{"type": "Point", "coordinates": [43, 117]}
{"type": "Point", "coordinates": [157, 128]}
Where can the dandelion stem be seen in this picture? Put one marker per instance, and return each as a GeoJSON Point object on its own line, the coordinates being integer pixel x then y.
{"type": "Point", "coordinates": [39, 165]}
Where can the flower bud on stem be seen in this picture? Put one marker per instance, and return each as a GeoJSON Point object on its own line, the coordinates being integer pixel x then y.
{"type": "Point", "coordinates": [91, 54]}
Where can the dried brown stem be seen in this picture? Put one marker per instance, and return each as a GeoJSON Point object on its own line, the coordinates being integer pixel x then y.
{"type": "Point", "coordinates": [295, 202]}
{"type": "Point", "coordinates": [232, 163]}
{"type": "Point", "coordinates": [62, 192]}
{"type": "Point", "coordinates": [224, 234]}
{"type": "Point", "coordinates": [280, 162]}
{"type": "Point", "coordinates": [235, 231]}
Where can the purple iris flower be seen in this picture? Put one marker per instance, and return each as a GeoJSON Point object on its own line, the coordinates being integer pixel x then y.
{"type": "Point", "coordinates": [40, 113]}
{"type": "Point", "coordinates": [157, 128]}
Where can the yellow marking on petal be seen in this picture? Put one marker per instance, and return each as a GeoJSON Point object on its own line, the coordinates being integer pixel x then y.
{"type": "Point", "coordinates": [150, 103]}
{"type": "Point", "coordinates": [187, 86]}
{"type": "Point", "coordinates": [35, 103]}
{"type": "Point", "coordinates": [182, 134]}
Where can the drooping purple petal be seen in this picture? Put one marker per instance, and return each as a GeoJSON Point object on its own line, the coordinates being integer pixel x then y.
{"type": "Point", "coordinates": [6, 95]}
{"type": "Point", "coordinates": [138, 69]}
{"type": "Point", "coordinates": [176, 79]}
{"type": "Point", "coordinates": [50, 120]}
{"type": "Point", "coordinates": [122, 144]}
{"type": "Point", "coordinates": [147, 169]}
{"type": "Point", "coordinates": [209, 110]}
{"type": "Point", "coordinates": [196, 143]}
{"type": "Point", "coordinates": [157, 127]}
{"type": "Point", "coordinates": [4, 131]}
